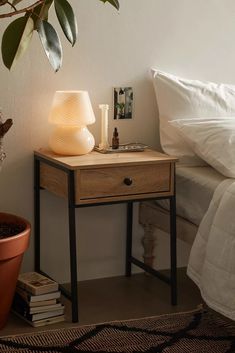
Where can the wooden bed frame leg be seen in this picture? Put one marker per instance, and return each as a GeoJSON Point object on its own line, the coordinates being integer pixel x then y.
{"type": "Point", "coordinates": [148, 242]}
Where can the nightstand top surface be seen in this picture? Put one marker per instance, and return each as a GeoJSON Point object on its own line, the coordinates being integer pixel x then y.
{"type": "Point", "coordinates": [96, 159]}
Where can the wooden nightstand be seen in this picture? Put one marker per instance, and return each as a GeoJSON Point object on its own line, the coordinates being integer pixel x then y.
{"type": "Point", "coordinates": [97, 179]}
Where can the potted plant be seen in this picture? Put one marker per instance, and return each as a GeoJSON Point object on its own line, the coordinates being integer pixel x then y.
{"type": "Point", "coordinates": [34, 17]}
{"type": "Point", "coordinates": [14, 240]}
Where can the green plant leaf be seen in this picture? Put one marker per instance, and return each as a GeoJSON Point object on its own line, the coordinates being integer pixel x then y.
{"type": "Point", "coordinates": [67, 20]}
{"type": "Point", "coordinates": [40, 12]}
{"type": "Point", "coordinates": [115, 3]}
{"type": "Point", "coordinates": [51, 44]}
{"type": "Point", "coordinates": [16, 39]}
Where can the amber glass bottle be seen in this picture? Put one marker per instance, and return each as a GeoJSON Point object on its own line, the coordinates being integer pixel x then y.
{"type": "Point", "coordinates": [115, 139]}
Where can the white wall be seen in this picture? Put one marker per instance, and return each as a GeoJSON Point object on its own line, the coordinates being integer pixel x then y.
{"type": "Point", "coordinates": [186, 37]}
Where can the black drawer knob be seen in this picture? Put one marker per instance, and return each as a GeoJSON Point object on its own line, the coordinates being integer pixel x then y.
{"type": "Point", "coordinates": [128, 181]}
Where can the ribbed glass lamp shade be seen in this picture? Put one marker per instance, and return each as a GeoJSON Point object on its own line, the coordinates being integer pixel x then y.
{"type": "Point", "coordinates": [71, 108]}
{"type": "Point", "coordinates": [71, 112]}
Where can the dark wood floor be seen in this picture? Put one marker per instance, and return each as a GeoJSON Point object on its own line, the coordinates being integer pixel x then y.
{"type": "Point", "coordinates": [119, 298]}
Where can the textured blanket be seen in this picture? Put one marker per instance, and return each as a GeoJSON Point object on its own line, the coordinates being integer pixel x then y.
{"type": "Point", "coordinates": [212, 258]}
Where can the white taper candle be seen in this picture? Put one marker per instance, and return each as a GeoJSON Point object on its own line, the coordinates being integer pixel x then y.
{"type": "Point", "coordinates": [104, 144]}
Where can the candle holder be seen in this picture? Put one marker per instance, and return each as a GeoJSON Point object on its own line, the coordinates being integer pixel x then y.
{"type": "Point", "coordinates": [104, 144]}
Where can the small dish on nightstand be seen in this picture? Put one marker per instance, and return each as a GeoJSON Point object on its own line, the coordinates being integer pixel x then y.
{"type": "Point", "coordinates": [129, 147]}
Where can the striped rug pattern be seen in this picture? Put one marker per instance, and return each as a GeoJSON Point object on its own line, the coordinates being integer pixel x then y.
{"type": "Point", "coordinates": [193, 332]}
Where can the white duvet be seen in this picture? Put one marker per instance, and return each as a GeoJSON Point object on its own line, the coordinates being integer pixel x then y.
{"type": "Point", "coordinates": [212, 259]}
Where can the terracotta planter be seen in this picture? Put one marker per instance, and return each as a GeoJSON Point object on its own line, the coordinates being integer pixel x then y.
{"type": "Point", "coordinates": [11, 254]}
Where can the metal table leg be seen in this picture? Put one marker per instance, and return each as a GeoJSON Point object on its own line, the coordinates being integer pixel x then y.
{"type": "Point", "coordinates": [72, 244]}
{"type": "Point", "coordinates": [173, 250]}
{"type": "Point", "coordinates": [129, 238]}
{"type": "Point", "coordinates": [36, 214]}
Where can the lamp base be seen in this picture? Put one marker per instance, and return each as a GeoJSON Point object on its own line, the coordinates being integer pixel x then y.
{"type": "Point", "coordinates": [71, 140]}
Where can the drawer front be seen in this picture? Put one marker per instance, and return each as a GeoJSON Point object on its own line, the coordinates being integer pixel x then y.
{"type": "Point", "coordinates": [121, 181]}
{"type": "Point", "coordinates": [53, 180]}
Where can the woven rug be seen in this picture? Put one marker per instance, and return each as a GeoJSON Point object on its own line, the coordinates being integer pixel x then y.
{"type": "Point", "coordinates": [192, 332]}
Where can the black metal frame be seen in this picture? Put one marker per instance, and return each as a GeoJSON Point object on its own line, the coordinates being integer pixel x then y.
{"type": "Point", "coordinates": [73, 294]}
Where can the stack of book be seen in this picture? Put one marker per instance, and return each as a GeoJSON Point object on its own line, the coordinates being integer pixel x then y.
{"type": "Point", "coordinates": [37, 300]}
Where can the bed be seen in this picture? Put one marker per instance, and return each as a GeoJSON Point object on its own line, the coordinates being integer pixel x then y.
{"type": "Point", "coordinates": [195, 187]}
{"type": "Point", "coordinates": [197, 125]}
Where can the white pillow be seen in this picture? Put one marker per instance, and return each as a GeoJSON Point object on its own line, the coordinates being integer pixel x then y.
{"type": "Point", "coordinates": [179, 98]}
{"type": "Point", "coordinates": [211, 139]}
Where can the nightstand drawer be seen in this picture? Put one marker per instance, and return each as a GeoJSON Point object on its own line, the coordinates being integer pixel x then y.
{"type": "Point", "coordinates": [111, 182]}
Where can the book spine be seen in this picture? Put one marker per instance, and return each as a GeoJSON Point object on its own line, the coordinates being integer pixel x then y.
{"type": "Point", "coordinates": [21, 310]}
{"type": "Point", "coordinates": [48, 314]}
{"type": "Point", "coordinates": [35, 298]}
{"type": "Point", "coordinates": [20, 304]}
{"type": "Point", "coordinates": [42, 322]}
{"type": "Point", "coordinates": [24, 295]}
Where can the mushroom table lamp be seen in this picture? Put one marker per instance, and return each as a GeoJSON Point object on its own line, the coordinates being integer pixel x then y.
{"type": "Point", "coordinates": [71, 112]}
